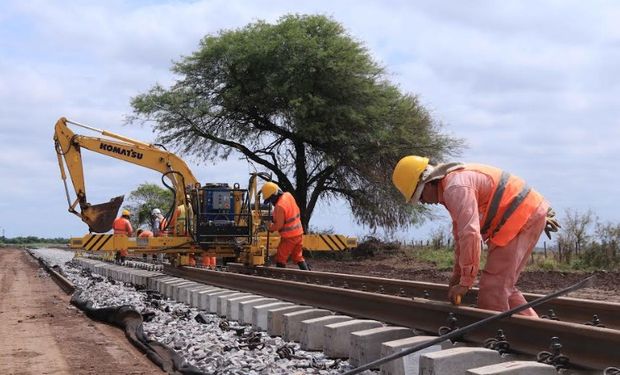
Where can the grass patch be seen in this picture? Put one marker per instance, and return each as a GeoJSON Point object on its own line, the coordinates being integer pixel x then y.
{"type": "Point", "coordinates": [538, 262]}
{"type": "Point", "coordinates": [442, 259]}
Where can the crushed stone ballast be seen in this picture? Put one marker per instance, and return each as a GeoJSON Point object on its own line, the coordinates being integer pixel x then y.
{"type": "Point", "coordinates": [211, 343]}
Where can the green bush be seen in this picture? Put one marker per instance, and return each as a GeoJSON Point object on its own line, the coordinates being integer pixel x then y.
{"type": "Point", "coordinates": [33, 240]}
{"type": "Point", "coordinates": [442, 258]}
{"type": "Point", "coordinates": [547, 264]}
{"type": "Point", "coordinates": [596, 257]}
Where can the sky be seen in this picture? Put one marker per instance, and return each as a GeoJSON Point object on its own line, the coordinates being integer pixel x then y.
{"type": "Point", "coordinates": [532, 87]}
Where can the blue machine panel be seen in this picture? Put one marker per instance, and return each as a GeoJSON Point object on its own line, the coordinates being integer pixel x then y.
{"type": "Point", "coordinates": [219, 204]}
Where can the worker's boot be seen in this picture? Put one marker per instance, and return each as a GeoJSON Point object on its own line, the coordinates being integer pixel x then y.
{"type": "Point", "coordinates": [280, 265]}
{"type": "Point", "coordinates": [303, 266]}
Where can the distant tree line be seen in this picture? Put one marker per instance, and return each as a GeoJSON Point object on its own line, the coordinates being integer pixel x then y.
{"type": "Point", "coordinates": [31, 240]}
{"type": "Point", "coordinates": [584, 241]}
{"type": "Point", "coordinates": [588, 241]}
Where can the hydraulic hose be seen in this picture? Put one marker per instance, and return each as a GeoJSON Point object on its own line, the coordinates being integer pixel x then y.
{"type": "Point", "coordinates": [170, 213]}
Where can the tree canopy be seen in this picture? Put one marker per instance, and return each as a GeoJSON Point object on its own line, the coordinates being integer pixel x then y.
{"type": "Point", "coordinates": [303, 99]}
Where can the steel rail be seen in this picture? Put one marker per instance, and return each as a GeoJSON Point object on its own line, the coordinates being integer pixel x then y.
{"type": "Point", "coordinates": [64, 283]}
{"type": "Point", "coordinates": [459, 332]}
{"type": "Point", "coordinates": [566, 309]}
{"type": "Point", "coordinates": [586, 346]}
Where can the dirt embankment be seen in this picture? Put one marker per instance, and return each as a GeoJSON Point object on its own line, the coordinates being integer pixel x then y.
{"type": "Point", "coordinates": [606, 286]}
{"type": "Point", "coordinates": [43, 334]}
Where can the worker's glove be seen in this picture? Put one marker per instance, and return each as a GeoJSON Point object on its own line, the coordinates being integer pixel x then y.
{"type": "Point", "coordinates": [552, 224]}
{"type": "Point", "coordinates": [456, 293]}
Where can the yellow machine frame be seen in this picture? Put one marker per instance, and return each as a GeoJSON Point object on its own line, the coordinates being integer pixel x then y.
{"type": "Point", "coordinates": [99, 217]}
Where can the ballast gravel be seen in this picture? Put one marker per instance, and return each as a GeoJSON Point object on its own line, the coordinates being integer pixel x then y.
{"type": "Point", "coordinates": [209, 342]}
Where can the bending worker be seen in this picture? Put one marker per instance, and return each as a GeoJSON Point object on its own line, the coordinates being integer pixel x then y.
{"type": "Point", "coordinates": [122, 226]}
{"type": "Point", "coordinates": [485, 204]}
{"type": "Point", "coordinates": [144, 233]}
{"type": "Point", "coordinates": [287, 222]}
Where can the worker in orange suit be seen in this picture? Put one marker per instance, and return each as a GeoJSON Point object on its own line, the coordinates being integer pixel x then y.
{"type": "Point", "coordinates": [144, 233]}
{"type": "Point", "coordinates": [176, 226]}
{"type": "Point", "coordinates": [485, 204]}
{"type": "Point", "coordinates": [286, 221]}
{"type": "Point", "coordinates": [122, 226]}
{"type": "Point", "coordinates": [209, 262]}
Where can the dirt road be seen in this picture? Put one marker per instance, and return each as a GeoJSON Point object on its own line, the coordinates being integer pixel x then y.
{"type": "Point", "coordinates": [40, 333]}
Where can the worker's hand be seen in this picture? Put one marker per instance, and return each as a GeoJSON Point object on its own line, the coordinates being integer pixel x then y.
{"type": "Point", "coordinates": [456, 293]}
{"type": "Point", "coordinates": [454, 280]}
{"type": "Point", "coordinates": [551, 224]}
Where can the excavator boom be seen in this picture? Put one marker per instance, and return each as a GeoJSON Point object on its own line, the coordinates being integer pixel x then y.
{"type": "Point", "coordinates": [100, 217]}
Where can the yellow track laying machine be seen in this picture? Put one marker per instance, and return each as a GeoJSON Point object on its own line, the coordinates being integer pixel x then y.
{"type": "Point", "coordinates": [211, 219]}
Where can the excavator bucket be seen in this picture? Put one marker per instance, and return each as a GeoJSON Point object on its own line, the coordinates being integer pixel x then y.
{"type": "Point", "coordinates": [100, 217]}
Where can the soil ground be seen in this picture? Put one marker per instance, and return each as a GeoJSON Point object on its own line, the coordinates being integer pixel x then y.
{"type": "Point", "coordinates": [394, 266]}
{"type": "Point", "coordinates": [40, 333]}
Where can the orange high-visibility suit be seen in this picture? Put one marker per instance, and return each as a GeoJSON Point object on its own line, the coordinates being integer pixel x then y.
{"type": "Point", "coordinates": [209, 262]}
{"type": "Point", "coordinates": [165, 232]}
{"type": "Point", "coordinates": [286, 221]}
{"type": "Point", "coordinates": [122, 226]}
{"type": "Point", "coordinates": [146, 233]}
{"type": "Point", "coordinates": [488, 204]}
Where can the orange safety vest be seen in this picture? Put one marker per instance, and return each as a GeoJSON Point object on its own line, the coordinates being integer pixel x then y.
{"type": "Point", "coordinates": [292, 223]}
{"type": "Point", "coordinates": [122, 226]}
{"type": "Point", "coordinates": [510, 206]}
{"type": "Point", "coordinates": [163, 232]}
{"type": "Point", "coordinates": [146, 233]}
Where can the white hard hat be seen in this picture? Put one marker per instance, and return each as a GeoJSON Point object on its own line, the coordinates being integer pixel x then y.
{"type": "Point", "coordinates": [156, 211]}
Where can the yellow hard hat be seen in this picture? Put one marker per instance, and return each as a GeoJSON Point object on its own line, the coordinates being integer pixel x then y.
{"type": "Point", "coordinates": [407, 174]}
{"type": "Point", "coordinates": [125, 213]}
{"type": "Point", "coordinates": [269, 189]}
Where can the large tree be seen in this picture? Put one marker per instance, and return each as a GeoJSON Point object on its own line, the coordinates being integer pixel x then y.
{"type": "Point", "coordinates": [304, 100]}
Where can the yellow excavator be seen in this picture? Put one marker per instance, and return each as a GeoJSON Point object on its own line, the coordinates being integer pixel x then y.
{"type": "Point", "coordinates": [214, 219]}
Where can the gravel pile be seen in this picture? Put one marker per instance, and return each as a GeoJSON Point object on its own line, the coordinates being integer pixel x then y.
{"type": "Point", "coordinates": [207, 341]}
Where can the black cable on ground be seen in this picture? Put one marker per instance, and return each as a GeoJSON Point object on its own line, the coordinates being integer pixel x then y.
{"type": "Point", "coordinates": [130, 320]}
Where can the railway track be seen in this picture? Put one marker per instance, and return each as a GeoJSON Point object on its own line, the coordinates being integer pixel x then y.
{"type": "Point", "coordinates": [598, 313]}
{"type": "Point", "coordinates": [410, 304]}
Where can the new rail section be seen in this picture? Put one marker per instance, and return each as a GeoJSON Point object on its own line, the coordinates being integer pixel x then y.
{"type": "Point", "coordinates": [566, 309]}
{"type": "Point", "coordinates": [587, 346]}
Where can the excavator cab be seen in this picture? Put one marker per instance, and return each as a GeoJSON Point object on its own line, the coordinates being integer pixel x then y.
{"type": "Point", "coordinates": [100, 217]}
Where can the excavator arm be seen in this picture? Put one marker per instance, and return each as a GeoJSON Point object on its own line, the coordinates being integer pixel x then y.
{"type": "Point", "coordinates": [100, 217]}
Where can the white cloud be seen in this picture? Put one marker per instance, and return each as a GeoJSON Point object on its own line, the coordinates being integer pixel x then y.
{"type": "Point", "coordinates": [530, 87]}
